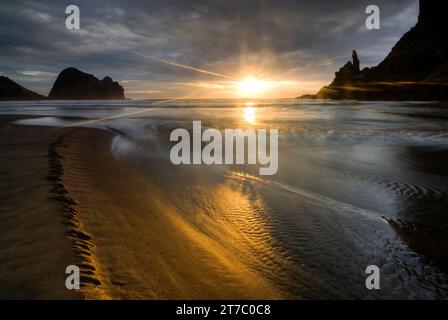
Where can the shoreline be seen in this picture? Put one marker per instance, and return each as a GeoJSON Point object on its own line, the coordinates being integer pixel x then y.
{"type": "Point", "coordinates": [141, 228]}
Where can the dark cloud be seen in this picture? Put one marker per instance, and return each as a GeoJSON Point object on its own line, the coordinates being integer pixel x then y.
{"type": "Point", "coordinates": [296, 40]}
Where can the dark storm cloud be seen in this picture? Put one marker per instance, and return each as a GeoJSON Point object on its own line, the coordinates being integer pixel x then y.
{"type": "Point", "coordinates": [296, 39]}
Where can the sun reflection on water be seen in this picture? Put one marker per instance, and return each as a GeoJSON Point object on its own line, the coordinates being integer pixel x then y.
{"type": "Point", "coordinates": [249, 113]}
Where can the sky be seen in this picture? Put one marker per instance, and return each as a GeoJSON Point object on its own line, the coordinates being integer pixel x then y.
{"type": "Point", "coordinates": [197, 48]}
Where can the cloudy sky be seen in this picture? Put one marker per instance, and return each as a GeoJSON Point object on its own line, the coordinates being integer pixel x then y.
{"type": "Point", "coordinates": [197, 48]}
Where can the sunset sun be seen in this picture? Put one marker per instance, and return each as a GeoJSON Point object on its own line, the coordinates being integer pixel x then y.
{"type": "Point", "coordinates": [251, 85]}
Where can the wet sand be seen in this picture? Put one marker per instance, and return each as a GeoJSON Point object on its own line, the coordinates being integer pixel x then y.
{"type": "Point", "coordinates": [34, 250]}
{"type": "Point", "coordinates": [84, 207]}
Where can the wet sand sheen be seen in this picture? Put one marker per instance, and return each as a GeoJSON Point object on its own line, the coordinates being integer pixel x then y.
{"type": "Point", "coordinates": [130, 236]}
{"type": "Point", "coordinates": [147, 242]}
{"type": "Point", "coordinates": [34, 251]}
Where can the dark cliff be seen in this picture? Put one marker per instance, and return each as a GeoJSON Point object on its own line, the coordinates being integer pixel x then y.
{"type": "Point", "coordinates": [73, 84]}
{"type": "Point", "coordinates": [9, 90]}
{"type": "Point", "coordinates": [415, 69]}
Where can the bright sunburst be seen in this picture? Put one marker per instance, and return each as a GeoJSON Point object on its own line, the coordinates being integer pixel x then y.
{"type": "Point", "coordinates": [251, 85]}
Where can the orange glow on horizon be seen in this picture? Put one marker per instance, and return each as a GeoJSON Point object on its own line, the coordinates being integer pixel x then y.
{"type": "Point", "coordinates": [251, 80]}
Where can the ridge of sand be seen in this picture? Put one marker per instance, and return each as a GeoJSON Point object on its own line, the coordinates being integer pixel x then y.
{"type": "Point", "coordinates": [81, 241]}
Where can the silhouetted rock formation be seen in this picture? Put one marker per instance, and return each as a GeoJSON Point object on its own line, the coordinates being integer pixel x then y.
{"type": "Point", "coordinates": [72, 84]}
{"type": "Point", "coordinates": [9, 90]}
{"type": "Point", "coordinates": [415, 69]}
{"type": "Point", "coordinates": [348, 72]}
{"type": "Point", "coordinates": [355, 61]}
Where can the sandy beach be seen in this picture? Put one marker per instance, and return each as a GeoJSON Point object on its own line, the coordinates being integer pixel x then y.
{"type": "Point", "coordinates": [33, 249]}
